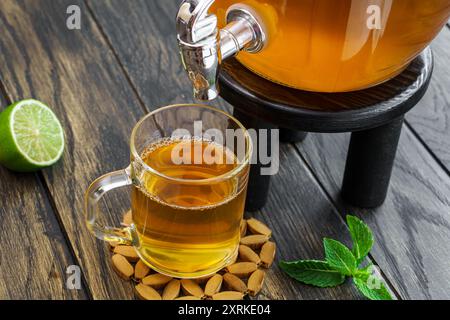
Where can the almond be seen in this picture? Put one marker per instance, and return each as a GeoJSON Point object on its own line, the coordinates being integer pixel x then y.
{"type": "Point", "coordinates": [156, 280]}
{"type": "Point", "coordinates": [172, 290]}
{"type": "Point", "coordinates": [127, 219]}
{"type": "Point", "coordinates": [228, 295]}
{"type": "Point", "coordinates": [146, 292]}
{"type": "Point", "coordinates": [191, 288]}
{"type": "Point", "coordinates": [242, 269]}
{"type": "Point", "coordinates": [267, 254]}
{"type": "Point", "coordinates": [254, 241]}
{"type": "Point", "coordinates": [141, 270]}
{"type": "Point", "coordinates": [248, 255]}
{"type": "Point", "coordinates": [213, 285]}
{"type": "Point", "coordinates": [128, 252]}
{"type": "Point", "coordinates": [255, 282]}
{"type": "Point", "coordinates": [243, 228]}
{"type": "Point", "coordinates": [258, 227]}
{"type": "Point", "coordinates": [234, 283]}
{"type": "Point", "coordinates": [121, 265]}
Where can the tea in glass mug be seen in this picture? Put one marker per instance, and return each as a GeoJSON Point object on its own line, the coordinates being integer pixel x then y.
{"type": "Point", "coordinates": [339, 45]}
{"type": "Point", "coordinates": [188, 190]}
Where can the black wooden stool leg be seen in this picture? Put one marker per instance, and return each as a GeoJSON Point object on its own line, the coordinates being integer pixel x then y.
{"type": "Point", "coordinates": [258, 185]}
{"type": "Point", "coordinates": [370, 159]}
{"type": "Point", "coordinates": [289, 135]}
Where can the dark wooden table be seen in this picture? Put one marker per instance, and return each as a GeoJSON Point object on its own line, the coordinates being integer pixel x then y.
{"type": "Point", "coordinates": [123, 63]}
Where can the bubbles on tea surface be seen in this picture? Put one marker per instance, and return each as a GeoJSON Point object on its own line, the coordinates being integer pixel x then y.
{"type": "Point", "coordinates": [183, 188]}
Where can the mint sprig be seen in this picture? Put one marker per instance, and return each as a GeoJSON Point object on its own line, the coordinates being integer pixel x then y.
{"type": "Point", "coordinates": [371, 287]}
{"type": "Point", "coordinates": [339, 257]}
{"type": "Point", "coordinates": [316, 273]}
{"type": "Point", "coordinates": [342, 262]}
{"type": "Point", "coordinates": [362, 238]}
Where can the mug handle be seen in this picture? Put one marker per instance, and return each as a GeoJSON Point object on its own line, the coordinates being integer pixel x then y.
{"type": "Point", "coordinates": [94, 193]}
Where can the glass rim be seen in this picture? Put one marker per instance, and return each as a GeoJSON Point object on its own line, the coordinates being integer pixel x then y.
{"type": "Point", "coordinates": [219, 178]}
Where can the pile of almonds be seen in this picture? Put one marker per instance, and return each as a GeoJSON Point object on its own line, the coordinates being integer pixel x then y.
{"type": "Point", "coordinates": [244, 277]}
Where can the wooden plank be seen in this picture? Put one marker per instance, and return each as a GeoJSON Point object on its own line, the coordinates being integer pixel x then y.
{"type": "Point", "coordinates": [34, 255]}
{"type": "Point", "coordinates": [300, 215]}
{"type": "Point", "coordinates": [143, 34]}
{"type": "Point", "coordinates": [76, 74]}
{"type": "Point", "coordinates": [151, 60]}
{"type": "Point", "coordinates": [412, 227]}
{"type": "Point", "coordinates": [430, 119]}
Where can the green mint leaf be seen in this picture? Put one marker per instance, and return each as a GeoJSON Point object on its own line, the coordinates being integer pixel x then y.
{"type": "Point", "coordinates": [362, 238]}
{"type": "Point", "coordinates": [364, 272]}
{"type": "Point", "coordinates": [339, 257]}
{"type": "Point", "coordinates": [313, 272]}
{"type": "Point", "coordinates": [372, 288]}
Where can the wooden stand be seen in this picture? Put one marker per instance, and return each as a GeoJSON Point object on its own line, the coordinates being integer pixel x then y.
{"type": "Point", "coordinates": [374, 116]}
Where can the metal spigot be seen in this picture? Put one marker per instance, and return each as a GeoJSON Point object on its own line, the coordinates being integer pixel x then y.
{"type": "Point", "coordinates": [203, 47]}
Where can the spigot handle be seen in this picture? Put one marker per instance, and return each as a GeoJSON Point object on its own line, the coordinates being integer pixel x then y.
{"type": "Point", "coordinates": [193, 22]}
{"type": "Point", "coordinates": [203, 47]}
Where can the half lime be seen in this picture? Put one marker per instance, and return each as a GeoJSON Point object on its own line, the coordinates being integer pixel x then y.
{"type": "Point", "coordinates": [31, 136]}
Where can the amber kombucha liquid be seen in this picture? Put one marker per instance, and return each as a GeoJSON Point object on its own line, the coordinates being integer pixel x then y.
{"type": "Point", "coordinates": [326, 45]}
{"type": "Point", "coordinates": [188, 228]}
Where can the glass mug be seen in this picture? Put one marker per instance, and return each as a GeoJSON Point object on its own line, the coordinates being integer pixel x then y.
{"type": "Point", "coordinates": [188, 176]}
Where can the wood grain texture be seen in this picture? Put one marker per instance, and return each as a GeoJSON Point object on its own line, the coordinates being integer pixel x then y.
{"type": "Point", "coordinates": [300, 216]}
{"type": "Point", "coordinates": [411, 229]}
{"type": "Point", "coordinates": [298, 211]}
{"type": "Point", "coordinates": [76, 74]}
{"type": "Point", "coordinates": [431, 118]}
{"type": "Point", "coordinates": [143, 35]}
{"type": "Point", "coordinates": [146, 46]}
{"type": "Point", "coordinates": [34, 255]}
